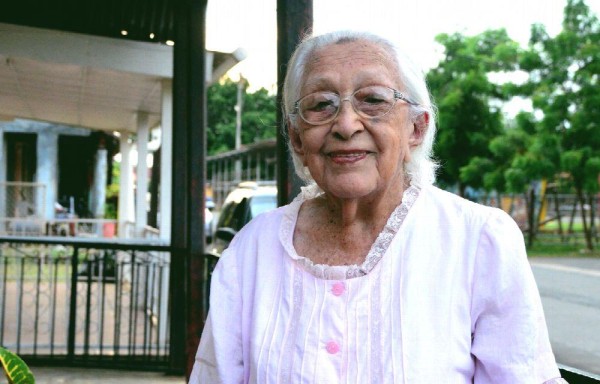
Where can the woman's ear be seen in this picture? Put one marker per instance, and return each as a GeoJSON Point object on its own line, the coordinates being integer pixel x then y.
{"type": "Point", "coordinates": [420, 126]}
{"type": "Point", "coordinates": [295, 139]}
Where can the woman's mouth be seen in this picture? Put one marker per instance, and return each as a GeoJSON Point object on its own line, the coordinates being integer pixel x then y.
{"type": "Point", "coordinates": [347, 157]}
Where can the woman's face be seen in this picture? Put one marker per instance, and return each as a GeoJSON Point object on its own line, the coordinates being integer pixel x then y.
{"type": "Point", "coordinates": [352, 156]}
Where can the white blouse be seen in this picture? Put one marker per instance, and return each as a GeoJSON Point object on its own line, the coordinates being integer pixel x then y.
{"type": "Point", "coordinates": [445, 295]}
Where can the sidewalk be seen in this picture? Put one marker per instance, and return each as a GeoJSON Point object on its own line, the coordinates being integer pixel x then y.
{"type": "Point", "coordinates": [61, 375]}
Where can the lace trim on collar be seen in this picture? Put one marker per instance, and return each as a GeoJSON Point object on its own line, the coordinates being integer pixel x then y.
{"type": "Point", "coordinates": [340, 272]}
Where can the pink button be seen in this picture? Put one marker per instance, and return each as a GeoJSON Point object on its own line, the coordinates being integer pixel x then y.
{"type": "Point", "coordinates": [338, 288]}
{"type": "Point", "coordinates": [332, 347]}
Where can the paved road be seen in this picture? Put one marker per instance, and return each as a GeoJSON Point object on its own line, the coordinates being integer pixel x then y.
{"type": "Point", "coordinates": [570, 290]}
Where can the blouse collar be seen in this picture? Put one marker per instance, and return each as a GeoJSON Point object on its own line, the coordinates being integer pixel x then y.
{"type": "Point", "coordinates": [340, 272]}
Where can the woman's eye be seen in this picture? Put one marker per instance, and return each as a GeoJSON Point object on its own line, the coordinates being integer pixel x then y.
{"type": "Point", "coordinates": [320, 106]}
{"type": "Point", "coordinates": [373, 99]}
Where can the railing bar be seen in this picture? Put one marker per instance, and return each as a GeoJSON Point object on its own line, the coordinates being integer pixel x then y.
{"type": "Point", "coordinates": [102, 299]}
{"type": "Point", "coordinates": [116, 244]}
{"type": "Point", "coordinates": [4, 286]}
{"type": "Point", "coordinates": [20, 304]}
{"type": "Point", "coordinates": [131, 302]}
{"type": "Point", "coordinates": [67, 278]}
{"type": "Point", "coordinates": [98, 293]}
{"type": "Point", "coordinates": [145, 308]}
{"type": "Point", "coordinates": [159, 305]}
{"type": "Point", "coordinates": [166, 346]}
{"type": "Point", "coordinates": [73, 306]}
{"type": "Point", "coordinates": [147, 312]}
{"type": "Point", "coordinates": [118, 303]}
{"type": "Point", "coordinates": [53, 304]}
{"type": "Point", "coordinates": [90, 262]}
{"type": "Point", "coordinates": [135, 308]}
{"type": "Point", "coordinates": [37, 305]}
{"type": "Point", "coordinates": [153, 315]}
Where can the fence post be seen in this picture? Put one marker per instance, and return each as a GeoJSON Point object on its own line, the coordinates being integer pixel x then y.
{"type": "Point", "coordinates": [73, 306]}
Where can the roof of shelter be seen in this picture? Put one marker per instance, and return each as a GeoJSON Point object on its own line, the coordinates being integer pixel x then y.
{"type": "Point", "coordinates": [144, 20]}
{"type": "Point", "coordinates": [92, 63]}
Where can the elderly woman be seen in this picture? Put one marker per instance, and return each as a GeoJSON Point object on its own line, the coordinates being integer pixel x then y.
{"type": "Point", "coordinates": [371, 275]}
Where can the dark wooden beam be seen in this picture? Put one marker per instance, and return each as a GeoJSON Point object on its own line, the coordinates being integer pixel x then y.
{"type": "Point", "coordinates": [187, 232]}
{"type": "Point", "coordinates": [294, 21]}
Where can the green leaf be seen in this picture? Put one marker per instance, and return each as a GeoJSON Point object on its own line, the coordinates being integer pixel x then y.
{"type": "Point", "coordinates": [15, 368]}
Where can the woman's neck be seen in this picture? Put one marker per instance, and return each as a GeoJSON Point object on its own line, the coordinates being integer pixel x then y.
{"type": "Point", "coordinates": [371, 210]}
{"type": "Point", "coordinates": [340, 232]}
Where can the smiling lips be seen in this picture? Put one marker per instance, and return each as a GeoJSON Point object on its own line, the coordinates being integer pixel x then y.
{"type": "Point", "coordinates": [347, 157]}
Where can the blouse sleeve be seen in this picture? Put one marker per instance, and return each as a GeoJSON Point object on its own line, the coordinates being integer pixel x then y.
{"type": "Point", "coordinates": [219, 355]}
{"type": "Point", "coordinates": [510, 338]}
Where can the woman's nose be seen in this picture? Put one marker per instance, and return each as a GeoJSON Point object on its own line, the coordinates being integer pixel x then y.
{"type": "Point", "coordinates": [347, 122]}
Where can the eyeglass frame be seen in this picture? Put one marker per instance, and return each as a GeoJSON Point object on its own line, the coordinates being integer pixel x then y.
{"type": "Point", "coordinates": [397, 96]}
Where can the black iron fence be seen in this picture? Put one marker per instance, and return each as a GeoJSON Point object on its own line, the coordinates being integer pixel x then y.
{"type": "Point", "coordinates": [75, 301]}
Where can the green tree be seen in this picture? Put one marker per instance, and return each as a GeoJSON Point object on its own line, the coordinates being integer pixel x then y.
{"type": "Point", "coordinates": [495, 172]}
{"type": "Point", "coordinates": [258, 116]}
{"type": "Point", "coordinates": [468, 116]}
{"type": "Point", "coordinates": [534, 161]}
{"type": "Point", "coordinates": [564, 76]}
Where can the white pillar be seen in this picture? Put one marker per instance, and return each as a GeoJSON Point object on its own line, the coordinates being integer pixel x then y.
{"type": "Point", "coordinates": [166, 161]}
{"type": "Point", "coordinates": [141, 185]}
{"type": "Point", "coordinates": [98, 190]}
{"type": "Point", "coordinates": [46, 173]}
{"type": "Point", "coordinates": [126, 212]}
{"type": "Point", "coordinates": [166, 167]}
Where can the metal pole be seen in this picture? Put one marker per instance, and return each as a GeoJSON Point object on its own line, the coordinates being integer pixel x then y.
{"type": "Point", "coordinates": [189, 148]}
{"type": "Point", "coordinates": [294, 20]}
{"type": "Point", "coordinates": [239, 106]}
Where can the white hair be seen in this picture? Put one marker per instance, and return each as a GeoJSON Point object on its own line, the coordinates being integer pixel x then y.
{"type": "Point", "coordinates": [420, 170]}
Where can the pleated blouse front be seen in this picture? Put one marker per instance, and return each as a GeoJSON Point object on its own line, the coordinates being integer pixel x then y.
{"type": "Point", "coordinates": [425, 306]}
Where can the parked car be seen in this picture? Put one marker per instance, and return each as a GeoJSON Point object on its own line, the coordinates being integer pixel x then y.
{"type": "Point", "coordinates": [245, 202]}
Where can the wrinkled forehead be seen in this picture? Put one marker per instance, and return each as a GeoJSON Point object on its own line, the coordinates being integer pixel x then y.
{"type": "Point", "coordinates": [363, 59]}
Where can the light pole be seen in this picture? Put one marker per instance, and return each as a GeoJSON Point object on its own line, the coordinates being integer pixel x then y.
{"type": "Point", "coordinates": [238, 126]}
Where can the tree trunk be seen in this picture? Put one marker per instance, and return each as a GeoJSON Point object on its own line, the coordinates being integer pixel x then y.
{"type": "Point", "coordinates": [531, 215]}
{"type": "Point", "coordinates": [592, 204]}
{"type": "Point", "coordinates": [586, 230]}
{"type": "Point", "coordinates": [572, 218]}
{"type": "Point", "coordinates": [558, 216]}
{"type": "Point", "coordinates": [461, 189]}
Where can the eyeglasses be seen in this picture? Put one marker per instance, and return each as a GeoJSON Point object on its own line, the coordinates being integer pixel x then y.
{"type": "Point", "coordinates": [368, 102]}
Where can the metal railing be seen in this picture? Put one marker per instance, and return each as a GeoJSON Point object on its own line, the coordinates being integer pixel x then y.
{"type": "Point", "coordinates": [557, 216]}
{"type": "Point", "coordinates": [254, 162]}
{"type": "Point", "coordinates": [69, 300]}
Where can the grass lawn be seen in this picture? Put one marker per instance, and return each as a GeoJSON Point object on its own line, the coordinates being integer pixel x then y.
{"type": "Point", "coordinates": [551, 246]}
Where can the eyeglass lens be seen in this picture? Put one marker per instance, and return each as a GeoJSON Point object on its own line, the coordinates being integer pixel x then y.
{"type": "Point", "coordinates": [320, 107]}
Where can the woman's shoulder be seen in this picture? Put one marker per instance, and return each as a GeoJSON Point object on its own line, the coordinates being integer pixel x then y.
{"type": "Point", "coordinates": [454, 206]}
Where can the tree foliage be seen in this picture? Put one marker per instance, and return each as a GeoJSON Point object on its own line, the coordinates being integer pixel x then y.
{"type": "Point", "coordinates": [563, 85]}
{"type": "Point", "coordinates": [258, 116]}
{"type": "Point", "coordinates": [460, 84]}
{"type": "Point", "coordinates": [559, 141]}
